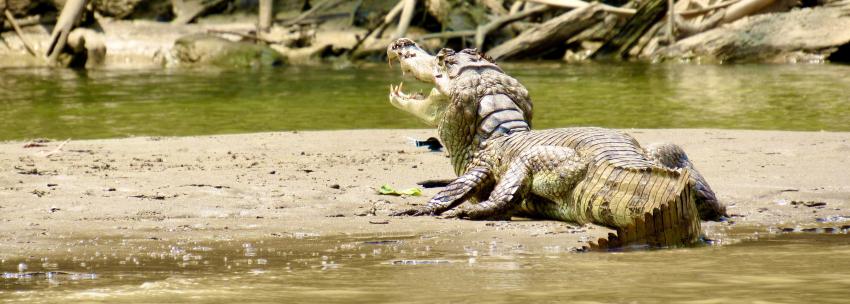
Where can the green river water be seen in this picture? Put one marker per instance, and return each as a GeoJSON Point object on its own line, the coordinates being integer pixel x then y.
{"type": "Point", "coordinates": [775, 268]}
{"type": "Point", "coordinates": [785, 268]}
{"type": "Point", "coordinates": [101, 104]}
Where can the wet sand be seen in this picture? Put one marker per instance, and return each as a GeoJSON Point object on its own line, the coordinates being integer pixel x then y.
{"type": "Point", "coordinates": [323, 183]}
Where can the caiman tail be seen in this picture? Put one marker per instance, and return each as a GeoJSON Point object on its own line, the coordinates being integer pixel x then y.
{"type": "Point", "coordinates": [670, 217]}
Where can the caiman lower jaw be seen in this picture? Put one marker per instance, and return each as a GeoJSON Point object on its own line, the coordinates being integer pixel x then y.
{"type": "Point", "coordinates": [426, 108]}
{"type": "Point", "coordinates": [399, 97]}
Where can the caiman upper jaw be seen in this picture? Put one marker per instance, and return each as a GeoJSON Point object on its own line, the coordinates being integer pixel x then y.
{"type": "Point", "coordinates": [413, 59]}
{"type": "Point", "coordinates": [417, 62]}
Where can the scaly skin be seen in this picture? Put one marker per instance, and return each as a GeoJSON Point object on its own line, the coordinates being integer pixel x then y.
{"type": "Point", "coordinates": [582, 175]}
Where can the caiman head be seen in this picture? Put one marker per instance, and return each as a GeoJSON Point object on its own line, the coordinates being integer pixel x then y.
{"type": "Point", "coordinates": [472, 101]}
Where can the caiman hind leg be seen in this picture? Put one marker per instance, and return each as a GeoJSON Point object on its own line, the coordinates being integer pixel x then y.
{"type": "Point", "coordinates": [455, 193]}
{"type": "Point", "coordinates": [547, 171]}
{"type": "Point", "coordinates": [672, 156]}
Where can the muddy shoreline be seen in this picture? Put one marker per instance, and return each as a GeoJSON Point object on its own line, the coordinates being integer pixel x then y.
{"type": "Point", "coordinates": [323, 183]}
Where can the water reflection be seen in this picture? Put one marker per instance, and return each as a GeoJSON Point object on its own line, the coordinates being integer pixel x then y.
{"type": "Point", "coordinates": [776, 268]}
{"type": "Point", "coordinates": [116, 103]}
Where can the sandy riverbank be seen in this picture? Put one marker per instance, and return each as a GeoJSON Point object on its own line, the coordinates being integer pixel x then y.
{"type": "Point", "coordinates": [291, 184]}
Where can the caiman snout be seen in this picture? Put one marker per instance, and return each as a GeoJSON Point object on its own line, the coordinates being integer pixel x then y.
{"type": "Point", "coordinates": [402, 48]}
{"type": "Point", "coordinates": [417, 62]}
{"type": "Point", "coordinates": [413, 59]}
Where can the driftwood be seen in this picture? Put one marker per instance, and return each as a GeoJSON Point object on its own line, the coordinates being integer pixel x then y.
{"type": "Point", "coordinates": [265, 16]}
{"type": "Point", "coordinates": [406, 15]}
{"type": "Point", "coordinates": [88, 48]}
{"type": "Point", "coordinates": [808, 35]}
{"type": "Point", "coordinates": [647, 44]}
{"type": "Point", "coordinates": [495, 6]}
{"type": "Point", "coordinates": [648, 13]}
{"type": "Point", "coordinates": [243, 35]}
{"type": "Point", "coordinates": [315, 19]}
{"type": "Point", "coordinates": [550, 34]}
{"type": "Point", "coordinates": [686, 28]}
{"type": "Point", "coordinates": [188, 10]}
{"type": "Point", "coordinates": [700, 11]}
{"type": "Point", "coordinates": [728, 12]}
{"type": "Point", "coordinates": [671, 36]}
{"type": "Point", "coordinates": [388, 19]}
{"type": "Point", "coordinates": [325, 5]}
{"type": "Point", "coordinates": [378, 29]}
{"type": "Point", "coordinates": [439, 9]}
{"type": "Point", "coordinates": [67, 19]}
{"type": "Point", "coordinates": [446, 35]}
{"type": "Point", "coordinates": [744, 8]}
{"type": "Point", "coordinates": [580, 4]}
{"type": "Point", "coordinates": [28, 21]}
{"type": "Point", "coordinates": [483, 30]}
{"type": "Point", "coordinates": [19, 32]}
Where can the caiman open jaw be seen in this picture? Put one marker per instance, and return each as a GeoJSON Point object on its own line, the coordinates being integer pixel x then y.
{"type": "Point", "coordinates": [413, 59]}
{"type": "Point", "coordinates": [417, 62]}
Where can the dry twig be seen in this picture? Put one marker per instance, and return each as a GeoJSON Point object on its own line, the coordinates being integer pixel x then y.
{"type": "Point", "coordinates": [58, 149]}
{"type": "Point", "coordinates": [20, 33]}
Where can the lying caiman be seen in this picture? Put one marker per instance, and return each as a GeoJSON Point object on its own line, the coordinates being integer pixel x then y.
{"type": "Point", "coordinates": [650, 196]}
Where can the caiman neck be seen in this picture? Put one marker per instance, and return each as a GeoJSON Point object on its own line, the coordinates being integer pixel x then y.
{"type": "Point", "coordinates": [484, 104]}
{"type": "Point", "coordinates": [458, 142]}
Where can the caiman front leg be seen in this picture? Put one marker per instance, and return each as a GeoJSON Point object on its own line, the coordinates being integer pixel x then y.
{"type": "Point", "coordinates": [502, 200]}
{"type": "Point", "coordinates": [454, 194]}
{"type": "Point", "coordinates": [549, 171]}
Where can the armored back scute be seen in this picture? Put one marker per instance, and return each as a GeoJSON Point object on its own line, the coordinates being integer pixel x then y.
{"type": "Point", "coordinates": [673, 223]}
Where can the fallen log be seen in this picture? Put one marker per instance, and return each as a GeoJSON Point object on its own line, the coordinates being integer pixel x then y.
{"type": "Point", "coordinates": [495, 6]}
{"type": "Point", "coordinates": [265, 16]}
{"type": "Point", "coordinates": [744, 8]}
{"type": "Point", "coordinates": [406, 17]}
{"type": "Point", "coordinates": [686, 28]}
{"type": "Point", "coordinates": [188, 10]}
{"type": "Point", "coordinates": [482, 31]}
{"type": "Point", "coordinates": [550, 34]}
{"type": "Point", "coordinates": [446, 35]}
{"type": "Point", "coordinates": [671, 26]}
{"type": "Point", "coordinates": [388, 19]}
{"type": "Point", "coordinates": [244, 36]}
{"type": "Point", "coordinates": [815, 34]}
{"type": "Point", "coordinates": [67, 19]}
{"type": "Point", "coordinates": [325, 5]}
{"type": "Point", "coordinates": [88, 48]}
{"type": "Point", "coordinates": [580, 3]}
{"type": "Point", "coordinates": [378, 29]}
{"type": "Point", "coordinates": [700, 11]}
{"type": "Point", "coordinates": [733, 11]}
{"type": "Point", "coordinates": [648, 13]}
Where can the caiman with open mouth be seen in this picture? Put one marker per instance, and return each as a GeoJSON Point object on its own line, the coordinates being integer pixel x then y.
{"type": "Point", "coordinates": [651, 196]}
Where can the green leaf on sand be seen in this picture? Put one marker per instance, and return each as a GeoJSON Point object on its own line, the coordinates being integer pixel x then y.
{"type": "Point", "coordinates": [388, 190]}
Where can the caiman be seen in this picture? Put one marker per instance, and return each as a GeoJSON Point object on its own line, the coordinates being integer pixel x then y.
{"type": "Point", "coordinates": [651, 196]}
